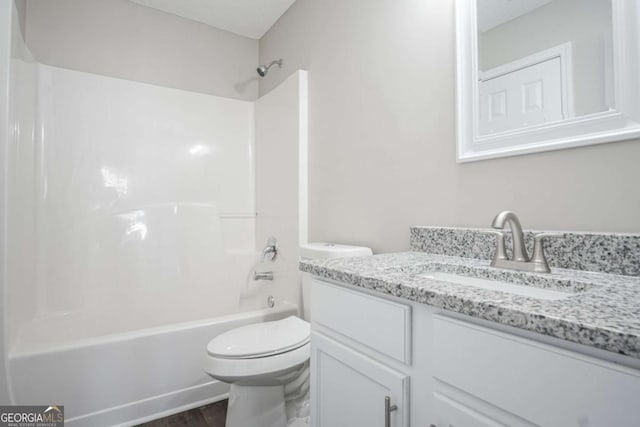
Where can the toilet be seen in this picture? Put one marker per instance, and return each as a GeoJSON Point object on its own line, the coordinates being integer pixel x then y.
{"type": "Point", "coordinates": [267, 364]}
{"type": "Point", "coordinates": [258, 360]}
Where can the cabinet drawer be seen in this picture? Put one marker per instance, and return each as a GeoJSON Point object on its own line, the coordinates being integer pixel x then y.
{"type": "Point", "coordinates": [543, 384]}
{"type": "Point", "coordinates": [382, 325]}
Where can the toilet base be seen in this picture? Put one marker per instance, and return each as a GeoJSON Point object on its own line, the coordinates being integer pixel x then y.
{"type": "Point", "coordinates": [256, 406]}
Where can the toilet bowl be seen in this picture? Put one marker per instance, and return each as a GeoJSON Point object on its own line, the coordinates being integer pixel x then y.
{"type": "Point", "coordinates": [264, 363]}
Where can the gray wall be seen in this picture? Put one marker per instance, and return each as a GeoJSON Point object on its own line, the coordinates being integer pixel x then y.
{"type": "Point", "coordinates": [122, 39]}
{"type": "Point", "coordinates": [381, 136]}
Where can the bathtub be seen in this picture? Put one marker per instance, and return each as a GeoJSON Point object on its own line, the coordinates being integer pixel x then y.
{"type": "Point", "coordinates": [126, 378]}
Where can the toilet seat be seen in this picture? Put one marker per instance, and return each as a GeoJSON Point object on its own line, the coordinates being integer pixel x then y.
{"type": "Point", "coordinates": [259, 370]}
{"type": "Point", "coordinates": [259, 354]}
{"type": "Point", "coordinates": [261, 339]}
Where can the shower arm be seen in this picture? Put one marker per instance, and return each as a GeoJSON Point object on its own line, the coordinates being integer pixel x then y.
{"type": "Point", "coordinates": [274, 62]}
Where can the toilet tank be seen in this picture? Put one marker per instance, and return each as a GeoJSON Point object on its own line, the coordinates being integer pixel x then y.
{"type": "Point", "coordinates": [323, 251]}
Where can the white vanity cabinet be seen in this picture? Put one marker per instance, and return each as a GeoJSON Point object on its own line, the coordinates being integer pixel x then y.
{"type": "Point", "coordinates": [442, 369]}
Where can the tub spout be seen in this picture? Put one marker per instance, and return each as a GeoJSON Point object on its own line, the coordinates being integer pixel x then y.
{"type": "Point", "coordinates": [267, 275]}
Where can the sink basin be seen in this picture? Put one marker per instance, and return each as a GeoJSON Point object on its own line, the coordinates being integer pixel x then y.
{"type": "Point", "coordinates": [495, 285]}
{"type": "Point", "coordinates": [478, 274]}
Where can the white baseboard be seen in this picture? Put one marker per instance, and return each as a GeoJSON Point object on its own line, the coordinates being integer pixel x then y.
{"type": "Point", "coordinates": [154, 407]}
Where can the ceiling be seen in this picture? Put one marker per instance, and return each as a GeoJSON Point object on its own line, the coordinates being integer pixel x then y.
{"type": "Point", "coordinates": [248, 18]}
{"type": "Point", "coordinates": [492, 13]}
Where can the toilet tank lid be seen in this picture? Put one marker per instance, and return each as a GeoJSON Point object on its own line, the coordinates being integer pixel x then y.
{"type": "Point", "coordinates": [332, 250]}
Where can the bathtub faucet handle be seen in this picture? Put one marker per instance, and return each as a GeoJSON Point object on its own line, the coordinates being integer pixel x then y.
{"type": "Point", "coordinates": [270, 251]}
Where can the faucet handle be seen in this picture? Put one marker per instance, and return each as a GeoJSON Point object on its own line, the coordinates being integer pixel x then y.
{"type": "Point", "coordinates": [538, 248]}
{"type": "Point", "coordinates": [270, 251]}
{"type": "Point", "coordinates": [501, 253]}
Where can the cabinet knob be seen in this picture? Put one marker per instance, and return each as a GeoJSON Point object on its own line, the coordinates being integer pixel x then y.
{"type": "Point", "coordinates": [388, 409]}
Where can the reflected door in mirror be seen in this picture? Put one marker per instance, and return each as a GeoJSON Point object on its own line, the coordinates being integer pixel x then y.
{"type": "Point", "coordinates": [521, 97]}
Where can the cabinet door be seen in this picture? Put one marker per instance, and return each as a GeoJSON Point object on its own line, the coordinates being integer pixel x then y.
{"type": "Point", "coordinates": [348, 389]}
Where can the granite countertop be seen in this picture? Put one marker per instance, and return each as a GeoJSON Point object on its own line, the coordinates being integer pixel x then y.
{"type": "Point", "coordinates": [602, 311]}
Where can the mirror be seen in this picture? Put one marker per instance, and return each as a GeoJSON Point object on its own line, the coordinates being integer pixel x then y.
{"type": "Point", "coordinates": [537, 75]}
{"type": "Point", "coordinates": [541, 61]}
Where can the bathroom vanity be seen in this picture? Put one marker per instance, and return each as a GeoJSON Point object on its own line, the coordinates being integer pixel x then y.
{"type": "Point", "coordinates": [438, 337]}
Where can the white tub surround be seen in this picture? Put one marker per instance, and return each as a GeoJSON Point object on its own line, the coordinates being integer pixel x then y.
{"type": "Point", "coordinates": [281, 180]}
{"type": "Point", "coordinates": [8, 30]}
{"type": "Point", "coordinates": [136, 185]}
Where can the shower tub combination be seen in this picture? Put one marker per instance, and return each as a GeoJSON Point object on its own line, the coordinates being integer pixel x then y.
{"type": "Point", "coordinates": [132, 226]}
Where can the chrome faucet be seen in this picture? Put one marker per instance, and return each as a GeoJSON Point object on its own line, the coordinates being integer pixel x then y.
{"type": "Point", "coordinates": [520, 260]}
{"type": "Point", "coordinates": [270, 251]}
{"type": "Point", "coordinates": [508, 217]}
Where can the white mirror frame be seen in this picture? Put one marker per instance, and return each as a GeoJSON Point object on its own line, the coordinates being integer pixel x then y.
{"type": "Point", "coordinates": [618, 124]}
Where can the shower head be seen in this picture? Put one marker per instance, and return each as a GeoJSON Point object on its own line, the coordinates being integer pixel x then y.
{"type": "Point", "coordinates": [264, 69]}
